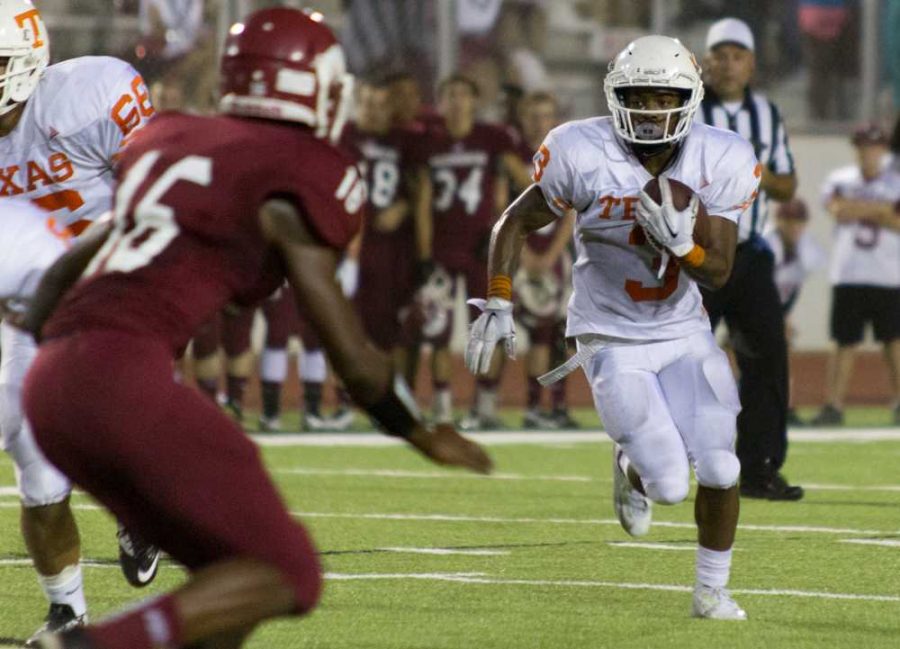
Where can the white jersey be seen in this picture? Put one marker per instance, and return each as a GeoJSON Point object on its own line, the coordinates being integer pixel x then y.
{"type": "Point", "coordinates": [61, 153]}
{"type": "Point", "coordinates": [30, 242]}
{"type": "Point", "coordinates": [790, 273]}
{"type": "Point", "coordinates": [584, 165]}
{"type": "Point", "coordinates": [864, 253]}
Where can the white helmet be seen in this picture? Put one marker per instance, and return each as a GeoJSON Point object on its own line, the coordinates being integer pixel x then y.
{"type": "Point", "coordinates": [654, 62]}
{"type": "Point", "coordinates": [24, 42]}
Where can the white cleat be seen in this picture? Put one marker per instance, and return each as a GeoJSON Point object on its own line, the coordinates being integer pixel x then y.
{"type": "Point", "coordinates": [632, 507]}
{"type": "Point", "coordinates": [715, 604]}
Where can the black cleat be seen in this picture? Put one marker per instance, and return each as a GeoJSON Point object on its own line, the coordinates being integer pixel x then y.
{"type": "Point", "coordinates": [60, 618]}
{"type": "Point", "coordinates": [138, 559]}
{"type": "Point", "coordinates": [793, 419]}
{"type": "Point", "coordinates": [828, 416]}
{"type": "Point", "coordinates": [563, 419]}
{"type": "Point", "coordinates": [774, 487]}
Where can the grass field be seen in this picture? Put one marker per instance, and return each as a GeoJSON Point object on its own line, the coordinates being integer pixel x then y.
{"type": "Point", "coordinates": [533, 557]}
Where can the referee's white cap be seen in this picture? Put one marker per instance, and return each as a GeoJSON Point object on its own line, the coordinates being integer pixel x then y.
{"type": "Point", "coordinates": [729, 30]}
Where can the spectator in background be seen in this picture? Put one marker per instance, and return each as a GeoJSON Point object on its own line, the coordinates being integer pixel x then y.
{"type": "Point", "coordinates": [542, 281]}
{"type": "Point", "coordinates": [749, 302]}
{"type": "Point", "coordinates": [829, 38]}
{"type": "Point", "coordinates": [797, 255]}
{"type": "Point", "coordinates": [173, 26]}
{"type": "Point", "coordinates": [386, 36]}
{"type": "Point", "coordinates": [865, 265]}
{"type": "Point", "coordinates": [466, 160]}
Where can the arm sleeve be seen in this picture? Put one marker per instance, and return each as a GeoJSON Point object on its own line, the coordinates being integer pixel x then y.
{"type": "Point", "coordinates": [555, 172]}
{"type": "Point", "coordinates": [735, 184]}
{"type": "Point", "coordinates": [781, 160]}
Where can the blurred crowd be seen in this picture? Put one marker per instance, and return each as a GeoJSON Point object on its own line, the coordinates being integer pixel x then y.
{"type": "Point", "coordinates": [504, 94]}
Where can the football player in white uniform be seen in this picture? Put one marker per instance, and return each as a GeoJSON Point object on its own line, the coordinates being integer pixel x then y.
{"type": "Point", "coordinates": [662, 386]}
{"type": "Point", "coordinates": [61, 128]}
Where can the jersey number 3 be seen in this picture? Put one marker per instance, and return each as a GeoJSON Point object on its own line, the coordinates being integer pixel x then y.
{"type": "Point", "coordinates": [640, 293]}
{"type": "Point", "coordinates": [144, 231]}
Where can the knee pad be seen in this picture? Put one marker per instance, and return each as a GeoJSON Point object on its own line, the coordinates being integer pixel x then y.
{"type": "Point", "coordinates": [40, 483]}
{"type": "Point", "coordinates": [667, 491]}
{"type": "Point", "coordinates": [717, 469]}
{"type": "Point", "coordinates": [11, 419]}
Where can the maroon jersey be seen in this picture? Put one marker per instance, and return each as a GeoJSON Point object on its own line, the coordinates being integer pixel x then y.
{"type": "Point", "coordinates": [385, 161]}
{"type": "Point", "coordinates": [187, 239]}
{"type": "Point", "coordinates": [463, 173]}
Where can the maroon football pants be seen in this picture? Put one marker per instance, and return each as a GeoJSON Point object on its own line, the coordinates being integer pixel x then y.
{"type": "Point", "coordinates": [162, 457]}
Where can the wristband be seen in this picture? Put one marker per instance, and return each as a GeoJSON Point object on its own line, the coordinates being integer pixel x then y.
{"type": "Point", "coordinates": [396, 412]}
{"type": "Point", "coordinates": [695, 258]}
{"type": "Point", "coordinates": [500, 286]}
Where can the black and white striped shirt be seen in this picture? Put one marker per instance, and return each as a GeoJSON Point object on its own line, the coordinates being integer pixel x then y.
{"type": "Point", "coordinates": [758, 120]}
{"type": "Point", "coordinates": [388, 35]}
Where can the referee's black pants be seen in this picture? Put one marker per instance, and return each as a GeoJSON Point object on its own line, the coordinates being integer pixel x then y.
{"type": "Point", "coordinates": [751, 307]}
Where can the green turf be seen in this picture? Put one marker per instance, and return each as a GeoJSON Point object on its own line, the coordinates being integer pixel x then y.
{"type": "Point", "coordinates": [557, 532]}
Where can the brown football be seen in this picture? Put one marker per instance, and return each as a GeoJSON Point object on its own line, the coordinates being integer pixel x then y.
{"type": "Point", "coordinates": [681, 196]}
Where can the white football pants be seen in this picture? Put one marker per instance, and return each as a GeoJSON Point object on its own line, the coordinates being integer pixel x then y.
{"type": "Point", "coordinates": [39, 482]}
{"type": "Point", "coordinates": [671, 405]}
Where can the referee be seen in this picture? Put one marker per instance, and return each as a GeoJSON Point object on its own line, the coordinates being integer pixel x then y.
{"type": "Point", "coordinates": [749, 302]}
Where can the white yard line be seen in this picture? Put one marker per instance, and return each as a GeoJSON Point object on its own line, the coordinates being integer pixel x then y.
{"type": "Point", "coordinates": [480, 578]}
{"type": "Point", "coordinates": [526, 437]}
{"type": "Point", "coordinates": [652, 546]}
{"type": "Point", "coordinates": [448, 551]}
{"type": "Point", "coordinates": [887, 543]}
{"type": "Point", "coordinates": [562, 583]}
{"type": "Point", "coordinates": [439, 475]}
{"type": "Point", "coordinates": [463, 518]}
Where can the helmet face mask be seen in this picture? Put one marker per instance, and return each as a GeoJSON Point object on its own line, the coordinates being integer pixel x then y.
{"type": "Point", "coordinates": [24, 52]}
{"type": "Point", "coordinates": [660, 67]}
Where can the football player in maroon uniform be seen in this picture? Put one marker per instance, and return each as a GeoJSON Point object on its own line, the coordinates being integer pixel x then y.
{"type": "Point", "coordinates": [387, 256]}
{"type": "Point", "coordinates": [465, 160]}
{"type": "Point", "coordinates": [212, 210]}
{"type": "Point", "coordinates": [544, 273]}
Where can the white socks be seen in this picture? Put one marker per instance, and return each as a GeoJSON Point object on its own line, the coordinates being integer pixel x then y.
{"type": "Point", "coordinates": [273, 365]}
{"type": "Point", "coordinates": [485, 402]}
{"type": "Point", "coordinates": [312, 366]}
{"type": "Point", "coordinates": [713, 567]}
{"type": "Point", "coordinates": [66, 588]}
{"type": "Point", "coordinates": [443, 406]}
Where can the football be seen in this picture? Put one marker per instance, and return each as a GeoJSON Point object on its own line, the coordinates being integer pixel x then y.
{"type": "Point", "coordinates": [681, 196]}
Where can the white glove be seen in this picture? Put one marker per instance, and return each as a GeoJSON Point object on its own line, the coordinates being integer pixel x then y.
{"type": "Point", "coordinates": [493, 325]}
{"type": "Point", "coordinates": [671, 228]}
{"type": "Point", "coordinates": [348, 276]}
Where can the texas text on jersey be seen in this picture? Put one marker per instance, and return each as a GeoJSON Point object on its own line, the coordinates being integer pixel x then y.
{"type": "Point", "coordinates": [60, 155]}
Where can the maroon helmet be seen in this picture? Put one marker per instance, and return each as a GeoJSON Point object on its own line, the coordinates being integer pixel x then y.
{"type": "Point", "coordinates": [282, 64]}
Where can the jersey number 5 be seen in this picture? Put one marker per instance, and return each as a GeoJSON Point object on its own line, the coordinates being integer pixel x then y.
{"type": "Point", "coordinates": [144, 231]}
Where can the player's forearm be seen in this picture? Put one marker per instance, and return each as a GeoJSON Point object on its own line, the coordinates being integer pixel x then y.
{"type": "Point", "coordinates": [780, 187]}
{"type": "Point", "coordinates": [391, 217]}
{"type": "Point", "coordinates": [845, 210]}
{"type": "Point", "coordinates": [528, 213]}
{"type": "Point", "coordinates": [712, 272]}
{"type": "Point", "coordinates": [423, 220]}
